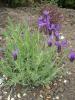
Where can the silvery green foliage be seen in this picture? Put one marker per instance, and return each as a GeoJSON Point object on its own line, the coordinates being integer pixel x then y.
{"type": "Point", "coordinates": [34, 64]}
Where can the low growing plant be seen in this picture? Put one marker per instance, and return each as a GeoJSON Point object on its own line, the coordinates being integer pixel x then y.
{"type": "Point", "coordinates": [27, 60]}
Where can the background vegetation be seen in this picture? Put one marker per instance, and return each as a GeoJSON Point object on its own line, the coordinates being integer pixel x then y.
{"type": "Point", "coordinates": [62, 3]}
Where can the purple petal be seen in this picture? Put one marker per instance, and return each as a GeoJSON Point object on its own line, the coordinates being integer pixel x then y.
{"type": "Point", "coordinates": [58, 44]}
{"type": "Point", "coordinates": [49, 43]}
{"type": "Point", "coordinates": [64, 43]}
{"type": "Point", "coordinates": [51, 36]}
{"type": "Point", "coordinates": [71, 56]}
{"type": "Point", "coordinates": [57, 35]}
{"type": "Point", "coordinates": [41, 23]}
{"type": "Point", "coordinates": [48, 22]}
{"type": "Point", "coordinates": [14, 54]}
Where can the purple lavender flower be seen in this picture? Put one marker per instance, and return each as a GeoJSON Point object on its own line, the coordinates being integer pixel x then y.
{"type": "Point", "coordinates": [49, 43]}
{"type": "Point", "coordinates": [64, 43]}
{"type": "Point", "coordinates": [72, 56]}
{"type": "Point", "coordinates": [51, 36]}
{"type": "Point", "coordinates": [48, 22]}
{"type": "Point", "coordinates": [58, 44]}
{"type": "Point", "coordinates": [45, 23]}
{"type": "Point", "coordinates": [57, 35]}
{"type": "Point", "coordinates": [14, 54]}
{"type": "Point", "coordinates": [41, 22]}
{"type": "Point", "coordinates": [50, 40]}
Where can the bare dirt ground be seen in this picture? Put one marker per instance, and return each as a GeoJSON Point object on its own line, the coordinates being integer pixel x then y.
{"type": "Point", "coordinates": [62, 88]}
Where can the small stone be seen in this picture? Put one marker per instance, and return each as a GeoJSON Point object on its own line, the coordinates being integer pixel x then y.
{"type": "Point", "coordinates": [34, 94]}
{"type": "Point", "coordinates": [48, 97]}
{"type": "Point", "coordinates": [1, 81]}
{"type": "Point", "coordinates": [19, 95]}
{"type": "Point", "coordinates": [8, 98]}
{"type": "Point", "coordinates": [57, 97]}
{"type": "Point", "coordinates": [5, 92]}
{"type": "Point", "coordinates": [70, 46]}
{"type": "Point", "coordinates": [60, 80]}
{"type": "Point", "coordinates": [12, 99]}
{"type": "Point", "coordinates": [41, 96]}
{"type": "Point", "coordinates": [69, 73]}
{"type": "Point", "coordinates": [0, 38]}
{"type": "Point", "coordinates": [60, 33]}
{"type": "Point", "coordinates": [15, 96]}
{"type": "Point", "coordinates": [62, 37]}
{"type": "Point", "coordinates": [4, 76]}
{"type": "Point", "coordinates": [55, 84]}
{"type": "Point", "coordinates": [33, 87]}
{"type": "Point", "coordinates": [65, 81]}
{"type": "Point", "coordinates": [24, 94]}
{"type": "Point", "coordinates": [0, 97]}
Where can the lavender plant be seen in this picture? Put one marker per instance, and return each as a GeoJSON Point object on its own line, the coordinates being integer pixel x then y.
{"type": "Point", "coordinates": [50, 23]}
{"type": "Point", "coordinates": [71, 55]}
{"type": "Point", "coordinates": [26, 60]}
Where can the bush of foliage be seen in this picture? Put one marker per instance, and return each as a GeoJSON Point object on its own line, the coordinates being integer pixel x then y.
{"type": "Point", "coordinates": [27, 60]}
{"type": "Point", "coordinates": [67, 3]}
{"type": "Point", "coordinates": [53, 1]}
{"type": "Point", "coordinates": [62, 3]}
{"type": "Point", "coordinates": [15, 3]}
